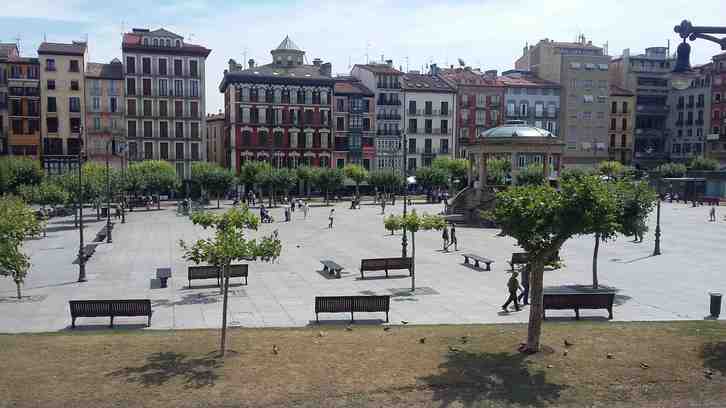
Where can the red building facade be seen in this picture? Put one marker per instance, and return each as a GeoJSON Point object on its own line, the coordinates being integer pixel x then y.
{"type": "Point", "coordinates": [716, 138]}
{"type": "Point", "coordinates": [279, 112]}
{"type": "Point", "coordinates": [479, 104]}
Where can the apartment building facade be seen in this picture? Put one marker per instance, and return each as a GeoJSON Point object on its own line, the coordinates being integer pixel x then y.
{"type": "Point", "coordinates": [19, 103]}
{"type": "Point", "coordinates": [716, 138]}
{"type": "Point", "coordinates": [531, 100]}
{"type": "Point", "coordinates": [279, 112]}
{"type": "Point", "coordinates": [385, 82]}
{"type": "Point", "coordinates": [648, 76]}
{"type": "Point", "coordinates": [582, 70]}
{"type": "Point", "coordinates": [479, 102]}
{"type": "Point", "coordinates": [105, 127]}
{"type": "Point", "coordinates": [216, 149]}
{"type": "Point", "coordinates": [689, 117]}
{"type": "Point", "coordinates": [622, 121]}
{"type": "Point", "coordinates": [430, 105]}
{"type": "Point", "coordinates": [354, 123]}
{"type": "Point", "coordinates": [63, 107]}
{"type": "Point", "coordinates": [164, 98]}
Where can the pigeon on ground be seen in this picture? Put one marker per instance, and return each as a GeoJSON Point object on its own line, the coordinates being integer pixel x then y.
{"type": "Point", "coordinates": [321, 334]}
{"type": "Point", "coordinates": [609, 356]}
{"type": "Point", "coordinates": [404, 322]}
{"type": "Point", "coordinates": [564, 353]}
{"type": "Point", "coordinates": [454, 349]}
{"type": "Point", "coordinates": [422, 340]}
{"type": "Point", "coordinates": [387, 328]}
{"type": "Point", "coordinates": [568, 344]}
{"type": "Point", "coordinates": [274, 349]}
{"type": "Point", "coordinates": [643, 365]}
{"type": "Point", "coordinates": [348, 328]}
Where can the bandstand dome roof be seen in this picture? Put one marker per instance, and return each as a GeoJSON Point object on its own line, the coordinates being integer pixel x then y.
{"type": "Point", "coordinates": [516, 130]}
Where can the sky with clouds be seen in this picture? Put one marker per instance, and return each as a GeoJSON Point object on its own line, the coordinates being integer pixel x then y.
{"type": "Point", "coordinates": [484, 33]}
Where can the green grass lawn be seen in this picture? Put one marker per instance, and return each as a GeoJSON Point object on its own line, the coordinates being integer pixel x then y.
{"type": "Point", "coordinates": [609, 364]}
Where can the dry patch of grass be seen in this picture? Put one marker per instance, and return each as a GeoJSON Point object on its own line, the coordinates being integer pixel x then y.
{"type": "Point", "coordinates": [613, 364]}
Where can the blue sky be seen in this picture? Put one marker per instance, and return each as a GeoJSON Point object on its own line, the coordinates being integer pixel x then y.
{"type": "Point", "coordinates": [488, 33]}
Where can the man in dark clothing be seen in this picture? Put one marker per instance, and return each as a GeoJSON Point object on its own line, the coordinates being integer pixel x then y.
{"type": "Point", "coordinates": [524, 296]}
{"type": "Point", "coordinates": [512, 285]}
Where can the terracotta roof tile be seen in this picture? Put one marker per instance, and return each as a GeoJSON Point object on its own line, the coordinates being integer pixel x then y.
{"type": "Point", "coordinates": [424, 83]}
{"type": "Point", "coordinates": [75, 48]}
{"type": "Point", "coordinates": [379, 69]}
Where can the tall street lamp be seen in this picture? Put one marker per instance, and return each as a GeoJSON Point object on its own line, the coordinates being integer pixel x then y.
{"type": "Point", "coordinates": [81, 257]}
{"type": "Point", "coordinates": [111, 143]}
{"type": "Point", "coordinates": [682, 73]}
{"type": "Point", "coordinates": [404, 239]}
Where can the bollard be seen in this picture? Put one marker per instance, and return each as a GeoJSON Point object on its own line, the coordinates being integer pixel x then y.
{"type": "Point", "coordinates": [715, 304]}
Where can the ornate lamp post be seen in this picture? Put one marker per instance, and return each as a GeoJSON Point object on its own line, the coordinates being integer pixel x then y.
{"type": "Point", "coordinates": [108, 191]}
{"type": "Point", "coordinates": [404, 238]}
{"type": "Point", "coordinates": [656, 250]}
{"type": "Point", "coordinates": [81, 257]}
{"type": "Point", "coordinates": [682, 74]}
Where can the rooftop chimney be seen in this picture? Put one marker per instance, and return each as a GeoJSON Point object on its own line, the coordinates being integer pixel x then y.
{"type": "Point", "coordinates": [389, 63]}
{"type": "Point", "coordinates": [491, 74]}
{"type": "Point", "coordinates": [434, 69]}
{"type": "Point", "coordinates": [251, 63]}
{"type": "Point", "coordinates": [232, 65]}
{"type": "Point", "coordinates": [326, 69]}
{"type": "Point", "coordinates": [317, 62]}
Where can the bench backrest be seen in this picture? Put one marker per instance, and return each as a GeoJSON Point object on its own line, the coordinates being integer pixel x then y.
{"type": "Point", "coordinates": [520, 258]}
{"type": "Point", "coordinates": [340, 304]}
{"type": "Point", "coordinates": [571, 300]}
{"type": "Point", "coordinates": [203, 272]}
{"type": "Point", "coordinates": [125, 307]}
{"type": "Point", "coordinates": [238, 271]}
{"type": "Point", "coordinates": [379, 264]}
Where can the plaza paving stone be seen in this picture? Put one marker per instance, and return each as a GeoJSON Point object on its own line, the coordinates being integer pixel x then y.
{"type": "Point", "coordinates": [672, 286]}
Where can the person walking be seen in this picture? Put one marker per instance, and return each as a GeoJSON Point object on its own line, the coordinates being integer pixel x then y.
{"type": "Point", "coordinates": [453, 241]}
{"type": "Point", "coordinates": [512, 286]}
{"type": "Point", "coordinates": [524, 296]}
{"type": "Point", "coordinates": [330, 218]}
{"type": "Point", "coordinates": [712, 214]}
{"type": "Point", "coordinates": [383, 206]}
{"type": "Point", "coordinates": [305, 210]}
{"type": "Point", "coordinates": [445, 237]}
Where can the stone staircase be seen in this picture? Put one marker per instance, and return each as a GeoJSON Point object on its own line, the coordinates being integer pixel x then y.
{"type": "Point", "coordinates": [464, 208]}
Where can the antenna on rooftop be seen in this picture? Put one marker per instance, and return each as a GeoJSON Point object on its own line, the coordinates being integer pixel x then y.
{"type": "Point", "coordinates": [368, 45]}
{"type": "Point", "coordinates": [406, 63]}
{"type": "Point", "coordinates": [190, 38]}
{"type": "Point", "coordinates": [17, 44]}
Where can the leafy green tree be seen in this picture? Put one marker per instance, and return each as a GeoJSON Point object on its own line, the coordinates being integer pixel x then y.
{"type": "Point", "coordinates": [703, 164]}
{"type": "Point", "coordinates": [48, 193]}
{"type": "Point", "coordinates": [17, 222]}
{"type": "Point", "coordinates": [456, 169]}
{"type": "Point", "coordinates": [638, 199]}
{"type": "Point", "coordinates": [414, 223]}
{"type": "Point", "coordinates": [542, 219]}
{"type": "Point", "coordinates": [157, 176]}
{"type": "Point", "coordinates": [393, 223]}
{"type": "Point", "coordinates": [305, 174]}
{"type": "Point", "coordinates": [611, 169]}
{"type": "Point", "coordinates": [670, 170]}
{"type": "Point", "coordinates": [498, 170]}
{"type": "Point", "coordinates": [575, 172]}
{"type": "Point", "coordinates": [328, 180]}
{"type": "Point", "coordinates": [265, 178]}
{"type": "Point", "coordinates": [228, 245]}
{"type": "Point", "coordinates": [431, 177]}
{"type": "Point", "coordinates": [212, 177]}
{"type": "Point", "coordinates": [248, 173]}
{"type": "Point", "coordinates": [357, 173]}
{"type": "Point", "coordinates": [533, 174]}
{"type": "Point", "coordinates": [283, 180]}
{"type": "Point", "coordinates": [18, 171]}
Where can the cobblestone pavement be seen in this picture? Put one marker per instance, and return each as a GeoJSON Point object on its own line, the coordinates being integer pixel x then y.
{"type": "Point", "coordinates": [672, 286]}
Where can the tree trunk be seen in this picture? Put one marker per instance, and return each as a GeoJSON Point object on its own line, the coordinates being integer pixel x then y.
{"type": "Point", "coordinates": [217, 201]}
{"type": "Point", "coordinates": [536, 306]}
{"type": "Point", "coordinates": [17, 287]}
{"type": "Point", "coordinates": [594, 261]}
{"type": "Point", "coordinates": [225, 273]}
{"type": "Point", "coordinates": [413, 261]}
{"type": "Point", "coordinates": [269, 199]}
{"type": "Point", "coordinates": [158, 201]}
{"type": "Point", "coordinates": [357, 190]}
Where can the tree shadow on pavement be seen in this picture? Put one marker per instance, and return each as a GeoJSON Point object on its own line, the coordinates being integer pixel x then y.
{"type": "Point", "coordinates": [162, 367]}
{"type": "Point", "coordinates": [470, 379]}
{"type": "Point", "coordinates": [714, 356]}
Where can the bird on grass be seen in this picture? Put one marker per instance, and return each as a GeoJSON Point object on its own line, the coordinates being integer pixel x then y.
{"type": "Point", "coordinates": [274, 349]}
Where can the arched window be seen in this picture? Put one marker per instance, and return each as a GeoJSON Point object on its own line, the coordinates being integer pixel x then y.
{"type": "Point", "coordinates": [178, 44]}
{"type": "Point", "coordinates": [146, 41]}
{"type": "Point", "coordinates": [156, 42]}
{"type": "Point", "coordinates": [168, 43]}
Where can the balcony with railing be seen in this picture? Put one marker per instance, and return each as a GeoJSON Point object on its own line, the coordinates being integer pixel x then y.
{"type": "Point", "coordinates": [390, 132]}
{"type": "Point", "coordinates": [654, 109]}
{"type": "Point", "coordinates": [388, 116]}
{"type": "Point", "coordinates": [389, 102]}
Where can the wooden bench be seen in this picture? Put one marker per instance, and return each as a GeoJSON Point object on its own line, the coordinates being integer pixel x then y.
{"type": "Point", "coordinates": [351, 304]}
{"type": "Point", "coordinates": [331, 267]}
{"type": "Point", "coordinates": [212, 272]}
{"type": "Point", "coordinates": [385, 264]}
{"type": "Point", "coordinates": [519, 258]}
{"type": "Point", "coordinates": [477, 259]}
{"type": "Point", "coordinates": [578, 298]}
{"type": "Point", "coordinates": [110, 308]}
